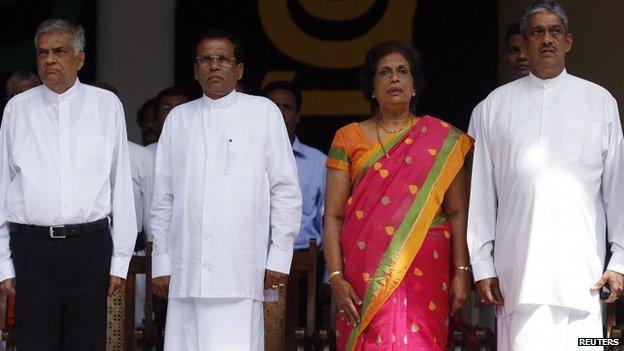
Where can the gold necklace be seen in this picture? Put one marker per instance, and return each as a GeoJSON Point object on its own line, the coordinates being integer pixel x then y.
{"type": "Point", "coordinates": [379, 138]}
{"type": "Point", "coordinates": [396, 130]}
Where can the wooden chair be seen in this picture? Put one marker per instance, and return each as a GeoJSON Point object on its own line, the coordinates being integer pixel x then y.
{"type": "Point", "coordinates": [6, 305]}
{"type": "Point", "coordinates": [304, 266]}
{"type": "Point", "coordinates": [327, 334]}
{"type": "Point", "coordinates": [615, 327]}
{"type": "Point", "coordinates": [134, 337]}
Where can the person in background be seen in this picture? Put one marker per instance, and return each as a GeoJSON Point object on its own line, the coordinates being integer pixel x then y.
{"type": "Point", "coordinates": [146, 120]}
{"type": "Point", "coordinates": [20, 81]}
{"type": "Point", "coordinates": [167, 99]}
{"type": "Point", "coordinates": [142, 170]}
{"type": "Point", "coordinates": [310, 162]}
{"type": "Point", "coordinates": [516, 59]}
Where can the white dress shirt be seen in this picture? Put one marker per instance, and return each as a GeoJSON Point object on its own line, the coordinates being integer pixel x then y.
{"type": "Point", "coordinates": [64, 160]}
{"type": "Point", "coordinates": [225, 178]}
{"type": "Point", "coordinates": [142, 169]}
{"type": "Point", "coordinates": [547, 180]}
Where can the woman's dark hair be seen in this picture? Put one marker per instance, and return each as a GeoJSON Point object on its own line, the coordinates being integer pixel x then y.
{"type": "Point", "coordinates": [369, 69]}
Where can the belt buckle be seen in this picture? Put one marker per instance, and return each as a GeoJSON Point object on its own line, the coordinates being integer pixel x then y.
{"type": "Point", "coordinates": [52, 232]}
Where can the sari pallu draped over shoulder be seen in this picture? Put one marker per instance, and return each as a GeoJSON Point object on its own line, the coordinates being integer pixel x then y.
{"type": "Point", "coordinates": [394, 202]}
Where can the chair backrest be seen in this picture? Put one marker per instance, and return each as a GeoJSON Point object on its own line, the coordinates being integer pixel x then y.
{"type": "Point", "coordinates": [7, 309]}
{"type": "Point", "coordinates": [138, 265]}
{"type": "Point", "coordinates": [614, 327]}
{"type": "Point", "coordinates": [304, 265]}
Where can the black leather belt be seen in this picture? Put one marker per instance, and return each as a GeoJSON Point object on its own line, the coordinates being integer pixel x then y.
{"type": "Point", "coordinates": [59, 231]}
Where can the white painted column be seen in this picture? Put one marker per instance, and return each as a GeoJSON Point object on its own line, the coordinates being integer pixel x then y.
{"type": "Point", "coordinates": [135, 51]}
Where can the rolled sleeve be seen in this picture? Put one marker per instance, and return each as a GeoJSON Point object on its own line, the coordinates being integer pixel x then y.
{"type": "Point", "coordinates": [161, 265]}
{"type": "Point", "coordinates": [279, 259]}
{"type": "Point", "coordinates": [119, 267]}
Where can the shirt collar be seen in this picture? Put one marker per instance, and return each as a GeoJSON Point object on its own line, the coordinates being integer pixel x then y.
{"type": "Point", "coordinates": [548, 83]}
{"type": "Point", "coordinates": [297, 147]}
{"type": "Point", "coordinates": [225, 101]}
{"type": "Point", "coordinates": [66, 96]}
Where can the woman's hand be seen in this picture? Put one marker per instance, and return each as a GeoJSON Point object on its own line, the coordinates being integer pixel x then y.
{"type": "Point", "coordinates": [346, 299]}
{"type": "Point", "coordinates": [460, 290]}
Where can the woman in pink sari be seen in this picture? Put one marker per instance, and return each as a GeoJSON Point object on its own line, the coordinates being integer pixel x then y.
{"type": "Point", "coordinates": [395, 215]}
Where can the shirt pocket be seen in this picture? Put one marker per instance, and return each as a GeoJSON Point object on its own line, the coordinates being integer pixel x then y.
{"type": "Point", "coordinates": [236, 163]}
{"type": "Point", "coordinates": [582, 140]}
{"type": "Point", "coordinates": [572, 136]}
{"type": "Point", "coordinates": [93, 153]}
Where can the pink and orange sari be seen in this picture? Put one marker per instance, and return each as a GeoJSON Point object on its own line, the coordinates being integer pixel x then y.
{"type": "Point", "coordinates": [395, 239]}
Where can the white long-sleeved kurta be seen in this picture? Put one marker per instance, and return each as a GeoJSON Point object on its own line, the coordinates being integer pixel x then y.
{"type": "Point", "coordinates": [225, 178]}
{"type": "Point", "coordinates": [547, 180]}
{"type": "Point", "coordinates": [142, 169]}
{"type": "Point", "coordinates": [64, 160]}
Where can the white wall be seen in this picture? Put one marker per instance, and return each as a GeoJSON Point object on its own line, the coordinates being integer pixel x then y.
{"type": "Point", "coordinates": [135, 51]}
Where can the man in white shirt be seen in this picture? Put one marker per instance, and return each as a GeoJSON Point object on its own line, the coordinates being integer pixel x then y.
{"type": "Point", "coordinates": [546, 183]}
{"type": "Point", "coordinates": [64, 172]}
{"type": "Point", "coordinates": [225, 178]}
{"type": "Point", "coordinates": [142, 170]}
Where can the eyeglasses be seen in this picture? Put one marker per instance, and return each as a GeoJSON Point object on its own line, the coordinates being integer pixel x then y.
{"type": "Point", "coordinates": [222, 60]}
{"type": "Point", "coordinates": [555, 32]}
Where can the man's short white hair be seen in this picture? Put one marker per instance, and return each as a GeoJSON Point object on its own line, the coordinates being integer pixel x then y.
{"type": "Point", "coordinates": [56, 25]}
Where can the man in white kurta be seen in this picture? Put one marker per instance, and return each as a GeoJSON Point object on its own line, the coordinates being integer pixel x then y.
{"type": "Point", "coordinates": [546, 183]}
{"type": "Point", "coordinates": [226, 207]}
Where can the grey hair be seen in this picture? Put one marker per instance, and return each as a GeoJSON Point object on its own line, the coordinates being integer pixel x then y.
{"type": "Point", "coordinates": [551, 6]}
{"type": "Point", "coordinates": [19, 76]}
{"type": "Point", "coordinates": [55, 25]}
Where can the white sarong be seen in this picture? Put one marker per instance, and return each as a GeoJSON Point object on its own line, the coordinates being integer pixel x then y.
{"type": "Point", "coordinates": [216, 324]}
{"type": "Point", "coordinates": [545, 327]}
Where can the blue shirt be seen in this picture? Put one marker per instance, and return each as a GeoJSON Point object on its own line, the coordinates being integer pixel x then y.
{"type": "Point", "coordinates": [311, 168]}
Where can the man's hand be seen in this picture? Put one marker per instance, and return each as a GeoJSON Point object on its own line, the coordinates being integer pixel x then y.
{"type": "Point", "coordinates": [160, 285]}
{"type": "Point", "coordinates": [7, 286]}
{"type": "Point", "coordinates": [115, 285]}
{"type": "Point", "coordinates": [616, 284]}
{"type": "Point", "coordinates": [489, 292]}
{"type": "Point", "coordinates": [274, 280]}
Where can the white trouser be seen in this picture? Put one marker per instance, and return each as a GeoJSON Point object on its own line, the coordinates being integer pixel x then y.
{"type": "Point", "coordinates": [545, 327]}
{"type": "Point", "coordinates": [225, 324]}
